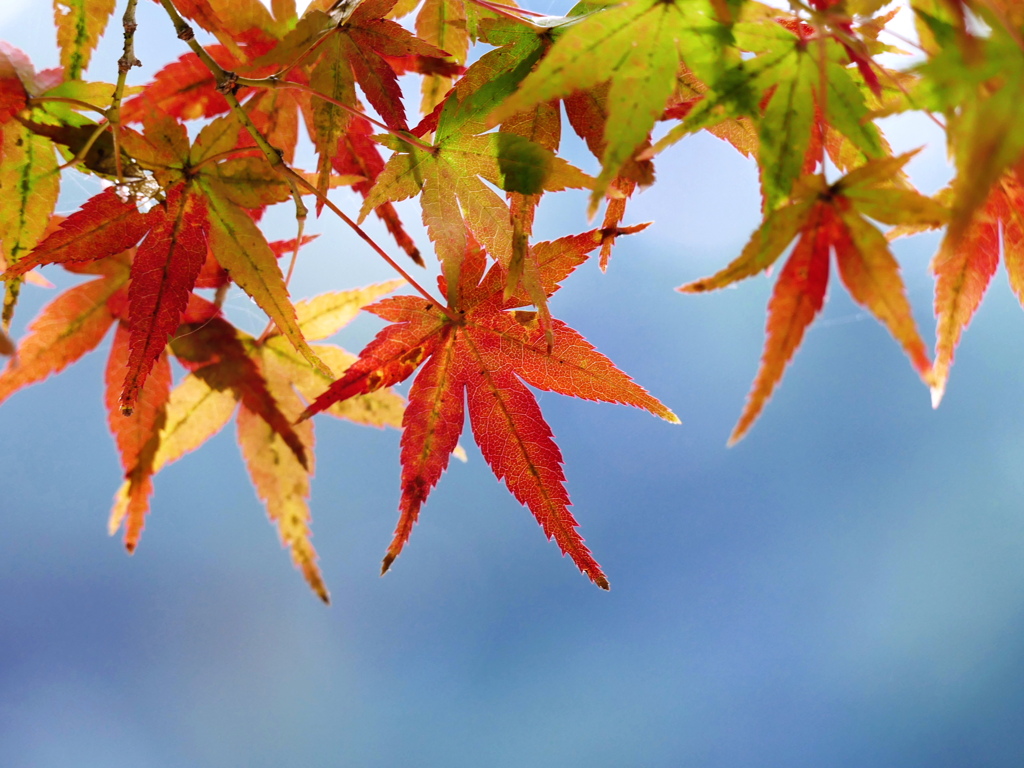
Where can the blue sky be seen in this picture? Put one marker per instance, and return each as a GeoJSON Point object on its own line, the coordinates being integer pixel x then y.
{"type": "Point", "coordinates": [844, 588]}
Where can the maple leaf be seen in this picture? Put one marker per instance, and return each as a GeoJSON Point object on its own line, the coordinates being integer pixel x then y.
{"type": "Point", "coordinates": [795, 88]}
{"type": "Point", "coordinates": [136, 434]}
{"type": "Point", "coordinates": [80, 24]}
{"type": "Point", "coordinates": [356, 49]}
{"type": "Point", "coordinates": [442, 23]}
{"type": "Point", "coordinates": [477, 93]}
{"type": "Point", "coordinates": [200, 212]}
{"type": "Point", "coordinates": [13, 94]}
{"type": "Point", "coordinates": [29, 185]}
{"type": "Point", "coordinates": [483, 358]}
{"type": "Point", "coordinates": [977, 84]}
{"type": "Point", "coordinates": [485, 85]}
{"type": "Point", "coordinates": [262, 379]}
{"type": "Point", "coordinates": [824, 219]}
{"type": "Point", "coordinates": [163, 271]}
{"type": "Point", "coordinates": [73, 324]}
{"type": "Point", "coordinates": [963, 272]}
{"type": "Point", "coordinates": [450, 181]}
{"type": "Point", "coordinates": [643, 42]}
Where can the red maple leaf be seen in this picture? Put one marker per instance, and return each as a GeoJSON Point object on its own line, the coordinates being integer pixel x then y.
{"type": "Point", "coordinates": [826, 219]}
{"type": "Point", "coordinates": [484, 351]}
{"type": "Point", "coordinates": [70, 326]}
{"type": "Point", "coordinates": [963, 274]}
{"type": "Point", "coordinates": [13, 95]}
{"type": "Point", "coordinates": [164, 269]}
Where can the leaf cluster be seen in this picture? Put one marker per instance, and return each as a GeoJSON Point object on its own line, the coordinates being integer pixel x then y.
{"type": "Point", "coordinates": [190, 161]}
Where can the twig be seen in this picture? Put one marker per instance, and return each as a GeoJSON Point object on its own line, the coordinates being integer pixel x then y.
{"type": "Point", "coordinates": [124, 65]}
{"type": "Point", "coordinates": [275, 82]}
{"type": "Point", "coordinates": [502, 10]}
{"type": "Point", "coordinates": [226, 84]}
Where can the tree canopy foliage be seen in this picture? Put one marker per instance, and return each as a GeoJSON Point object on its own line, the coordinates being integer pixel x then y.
{"type": "Point", "coordinates": [190, 161]}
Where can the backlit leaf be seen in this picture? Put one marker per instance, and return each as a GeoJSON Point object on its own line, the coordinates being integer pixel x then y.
{"type": "Point", "coordinates": [104, 225]}
{"type": "Point", "coordinates": [195, 413]}
{"type": "Point", "coordinates": [826, 218]}
{"type": "Point", "coordinates": [798, 297]}
{"type": "Point", "coordinates": [29, 185]}
{"type": "Point", "coordinates": [328, 313]}
{"type": "Point", "coordinates": [641, 44]}
{"type": "Point", "coordinates": [80, 23]}
{"type": "Point", "coordinates": [164, 272]}
{"type": "Point", "coordinates": [71, 325]}
{"type": "Point", "coordinates": [963, 274]}
{"type": "Point", "coordinates": [484, 358]}
{"type": "Point", "coordinates": [281, 481]}
{"type": "Point", "coordinates": [243, 251]}
{"type": "Point", "coordinates": [137, 436]}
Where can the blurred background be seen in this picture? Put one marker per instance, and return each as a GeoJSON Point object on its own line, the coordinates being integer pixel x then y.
{"type": "Point", "coordinates": [843, 588]}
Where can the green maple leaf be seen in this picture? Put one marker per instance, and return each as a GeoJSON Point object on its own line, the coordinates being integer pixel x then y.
{"type": "Point", "coordinates": [978, 86]}
{"type": "Point", "coordinates": [450, 180]}
{"type": "Point", "coordinates": [793, 79]}
{"type": "Point", "coordinates": [638, 46]}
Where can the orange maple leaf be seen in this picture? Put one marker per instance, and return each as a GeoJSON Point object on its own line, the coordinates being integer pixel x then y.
{"type": "Point", "coordinates": [483, 351]}
{"type": "Point", "coordinates": [825, 219]}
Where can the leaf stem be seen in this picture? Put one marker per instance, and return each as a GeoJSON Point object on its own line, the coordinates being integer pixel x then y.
{"type": "Point", "coordinates": [275, 82]}
{"type": "Point", "coordinates": [373, 244]}
{"type": "Point", "coordinates": [227, 82]}
{"type": "Point", "coordinates": [287, 278]}
{"type": "Point", "coordinates": [312, 47]}
{"type": "Point", "coordinates": [508, 10]}
{"type": "Point", "coordinates": [66, 100]}
{"type": "Point", "coordinates": [222, 156]}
